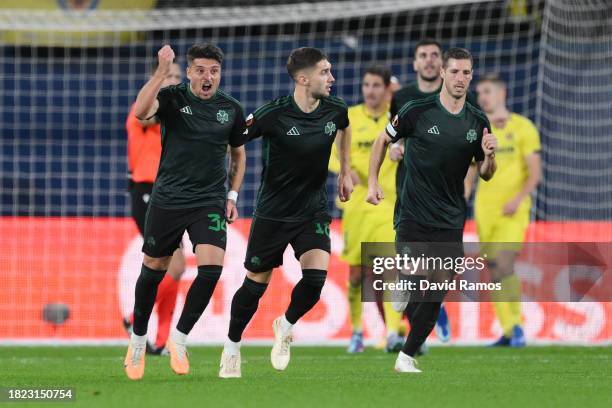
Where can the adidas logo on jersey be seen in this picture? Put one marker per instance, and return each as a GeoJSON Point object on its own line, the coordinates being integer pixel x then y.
{"type": "Point", "coordinates": [434, 130]}
{"type": "Point", "coordinates": [187, 110]}
{"type": "Point", "coordinates": [293, 132]}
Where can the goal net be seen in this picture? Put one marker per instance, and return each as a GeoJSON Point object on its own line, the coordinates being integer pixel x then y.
{"type": "Point", "coordinates": [69, 77]}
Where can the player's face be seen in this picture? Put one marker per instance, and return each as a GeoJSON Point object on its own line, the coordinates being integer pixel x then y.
{"type": "Point", "coordinates": [374, 90]}
{"type": "Point", "coordinates": [320, 79]}
{"type": "Point", "coordinates": [457, 76]}
{"type": "Point", "coordinates": [174, 76]}
{"type": "Point", "coordinates": [205, 76]}
{"type": "Point", "coordinates": [491, 96]}
{"type": "Point", "coordinates": [427, 62]}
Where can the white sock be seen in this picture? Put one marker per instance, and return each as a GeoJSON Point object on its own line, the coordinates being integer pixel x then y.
{"type": "Point", "coordinates": [285, 325]}
{"type": "Point", "coordinates": [231, 348]}
{"type": "Point", "coordinates": [135, 339]}
{"type": "Point", "coordinates": [178, 337]}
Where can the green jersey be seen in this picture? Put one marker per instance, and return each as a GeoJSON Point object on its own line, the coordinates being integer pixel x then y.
{"type": "Point", "coordinates": [409, 93]}
{"type": "Point", "coordinates": [439, 149]}
{"type": "Point", "coordinates": [296, 150]}
{"type": "Point", "coordinates": [195, 134]}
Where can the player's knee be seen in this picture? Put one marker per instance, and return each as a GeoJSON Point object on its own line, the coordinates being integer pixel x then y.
{"type": "Point", "coordinates": [257, 289]}
{"type": "Point", "coordinates": [158, 264]}
{"type": "Point", "coordinates": [314, 277]}
{"type": "Point", "coordinates": [210, 272]}
{"type": "Point", "coordinates": [152, 275]}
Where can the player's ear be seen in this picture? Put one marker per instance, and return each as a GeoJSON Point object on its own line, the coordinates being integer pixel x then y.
{"type": "Point", "coordinates": [302, 78]}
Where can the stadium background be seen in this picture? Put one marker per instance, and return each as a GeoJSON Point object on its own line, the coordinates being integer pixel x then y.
{"type": "Point", "coordinates": [69, 76]}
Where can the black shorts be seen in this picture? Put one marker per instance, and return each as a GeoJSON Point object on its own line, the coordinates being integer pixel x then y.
{"type": "Point", "coordinates": [268, 240]}
{"type": "Point", "coordinates": [140, 193]}
{"type": "Point", "coordinates": [442, 242]}
{"type": "Point", "coordinates": [164, 229]}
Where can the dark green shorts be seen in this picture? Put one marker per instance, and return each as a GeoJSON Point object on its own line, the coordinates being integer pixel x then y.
{"type": "Point", "coordinates": [164, 229]}
{"type": "Point", "coordinates": [268, 240]}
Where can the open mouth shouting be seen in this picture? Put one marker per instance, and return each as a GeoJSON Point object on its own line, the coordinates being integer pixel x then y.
{"type": "Point", "coordinates": [207, 89]}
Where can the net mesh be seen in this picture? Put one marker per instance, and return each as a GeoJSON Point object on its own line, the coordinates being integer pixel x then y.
{"type": "Point", "coordinates": [68, 79]}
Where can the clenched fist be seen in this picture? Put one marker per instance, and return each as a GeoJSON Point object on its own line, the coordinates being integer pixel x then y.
{"type": "Point", "coordinates": [165, 57]}
{"type": "Point", "coordinates": [489, 142]}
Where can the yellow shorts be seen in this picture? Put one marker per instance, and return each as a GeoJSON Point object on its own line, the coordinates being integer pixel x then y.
{"type": "Point", "coordinates": [498, 233]}
{"type": "Point", "coordinates": [364, 226]}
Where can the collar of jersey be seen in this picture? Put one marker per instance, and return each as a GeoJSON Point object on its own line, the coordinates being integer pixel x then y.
{"type": "Point", "coordinates": [295, 105]}
{"type": "Point", "coordinates": [369, 115]}
{"type": "Point", "coordinates": [452, 115]}
{"type": "Point", "coordinates": [195, 98]}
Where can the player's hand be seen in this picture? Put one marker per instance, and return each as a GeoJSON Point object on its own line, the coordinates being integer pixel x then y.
{"type": "Point", "coordinates": [165, 57]}
{"type": "Point", "coordinates": [489, 142]}
{"type": "Point", "coordinates": [396, 152]}
{"type": "Point", "coordinates": [375, 194]}
{"type": "Point", "coordinates": [345, 186]}
{"type": "Point", "coordinates": [511, 207]}
{"type": "Point", "coordinates": [231, 212]}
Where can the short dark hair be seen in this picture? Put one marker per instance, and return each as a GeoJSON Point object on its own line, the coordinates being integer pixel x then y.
{"type": "Point", "coordinates": [301, 58]}
{"type": "Point", "coordinates": [380, 70]}
{"type": "Point", "coordinates": [204, 50]}
{"type": "Point", "coordinates": [456, 53]}
{"type": "Point", "coordinates": [493, 78]}
{"type": "Point", "coordinates": [426, 41]}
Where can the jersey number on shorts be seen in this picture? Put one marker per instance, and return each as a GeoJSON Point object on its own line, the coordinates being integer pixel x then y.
{"type": "Point", "coordinates": [216, 223]}
{"type": "Point", "coordinates": [322, 228]}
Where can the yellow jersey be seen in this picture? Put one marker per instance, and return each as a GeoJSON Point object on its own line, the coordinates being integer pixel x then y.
{"type": "Point", "coordinates": [515, 141]}
{"type": "Point", "coordinates": [365, 129]}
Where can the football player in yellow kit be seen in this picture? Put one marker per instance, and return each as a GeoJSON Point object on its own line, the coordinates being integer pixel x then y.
{"type": "Point", "coordinates": [362, 222]}
{"type": "Point", "coordinates": [503, 204]}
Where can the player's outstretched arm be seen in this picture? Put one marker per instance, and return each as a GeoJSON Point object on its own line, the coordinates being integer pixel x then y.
{"type": "Point", "coordinates": [236, 175]}
{"type": "Point", "coordinates": [146, 102]}
{"type": "Point", "coordinates": [345, 182]}
{"type": "Point", "coordinates": [379, 150]}
{"type": "Point", "coordinates": [488, 166]}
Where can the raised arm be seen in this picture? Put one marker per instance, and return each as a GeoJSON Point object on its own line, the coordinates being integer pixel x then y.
{"type": "Point", "coordinates": [146, 102]}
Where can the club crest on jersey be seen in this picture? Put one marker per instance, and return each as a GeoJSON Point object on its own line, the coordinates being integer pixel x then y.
{"type": "Point", "coordinates": [330, 128]}
{"type": "Point", "coordinates": [222, 116]}
{"type": "Point", "coordinates": [471, 136]}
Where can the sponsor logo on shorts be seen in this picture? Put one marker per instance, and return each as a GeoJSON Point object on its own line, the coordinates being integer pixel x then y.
{"type": "Point", "coordinates": [151, 241]}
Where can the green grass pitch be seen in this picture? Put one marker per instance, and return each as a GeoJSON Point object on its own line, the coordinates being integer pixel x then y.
{"type": "Point", "coordinates": [323, 377]}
